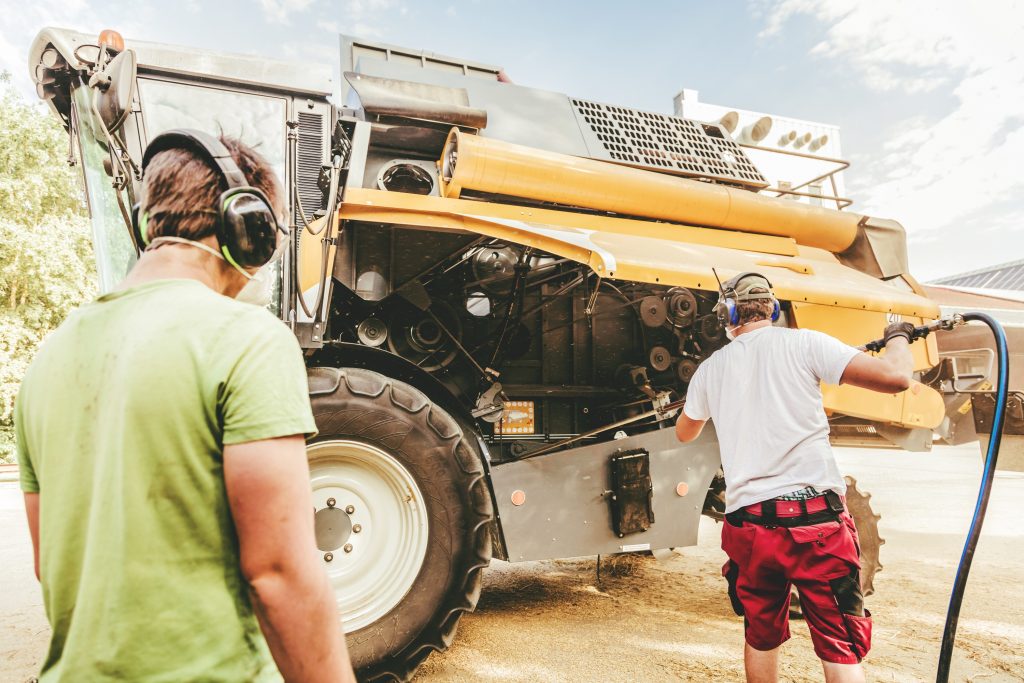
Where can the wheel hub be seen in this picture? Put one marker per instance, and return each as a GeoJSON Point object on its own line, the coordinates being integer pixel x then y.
{"type": "Point", "coordinates": [333, 528]}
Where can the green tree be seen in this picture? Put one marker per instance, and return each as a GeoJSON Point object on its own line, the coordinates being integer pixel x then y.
{"type": "Point", "coordinates": [46, 260]}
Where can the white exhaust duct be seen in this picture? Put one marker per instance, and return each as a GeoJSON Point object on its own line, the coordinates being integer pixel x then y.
{"type": "Point", "coordinates": [758, 131]}
{"type": "Point", "coordinates": [818, 143]}
{"type": "Point", "coordinates": [729, 121]}
{"type": "Point", "coordinates": [802, 140]}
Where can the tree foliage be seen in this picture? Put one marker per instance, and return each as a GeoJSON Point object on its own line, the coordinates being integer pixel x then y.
{"type": "Point", "coordinates": [46, 261]}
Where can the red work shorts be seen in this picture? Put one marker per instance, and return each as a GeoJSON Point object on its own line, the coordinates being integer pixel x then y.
{"type": "Point", "coordinates": [821, 560]}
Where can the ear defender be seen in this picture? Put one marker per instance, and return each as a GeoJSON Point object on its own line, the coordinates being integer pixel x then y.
{"type": "Point", "coordinates": [246, 227]}
{"type": "Point", "coordinates": [140, 224]}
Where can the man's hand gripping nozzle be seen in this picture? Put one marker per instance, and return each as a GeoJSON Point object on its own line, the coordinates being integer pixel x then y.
{"type": "Point", "coordinates": [911, 333]}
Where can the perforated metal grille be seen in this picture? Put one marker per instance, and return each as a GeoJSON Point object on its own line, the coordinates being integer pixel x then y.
{"type": "Point", "coordinates": [309, 157]}
{"type": "Point", "coordinates": [668, 143]}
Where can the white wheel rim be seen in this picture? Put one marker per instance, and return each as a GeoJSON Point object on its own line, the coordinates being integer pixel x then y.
{"type": "Point", "coordinates": [372, 570]}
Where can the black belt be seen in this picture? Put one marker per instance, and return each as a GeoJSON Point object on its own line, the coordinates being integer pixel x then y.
{"type": "Point", "coordinates": [769, 515]}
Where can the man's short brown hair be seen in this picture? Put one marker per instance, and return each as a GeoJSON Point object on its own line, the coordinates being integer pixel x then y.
{"type": "Point", "coordinates": [180, 189]}
{"type": "Point", "coordinates": [754, 310]}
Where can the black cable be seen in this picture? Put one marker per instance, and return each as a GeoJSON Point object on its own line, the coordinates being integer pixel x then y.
{"type": "Point", "coordinates": [957, 596]}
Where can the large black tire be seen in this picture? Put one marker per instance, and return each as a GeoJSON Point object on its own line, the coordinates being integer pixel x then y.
{"type": "Point", "coordinates": [364, 406]}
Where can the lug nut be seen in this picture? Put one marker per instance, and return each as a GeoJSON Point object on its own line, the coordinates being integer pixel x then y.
{"type": "Point", "coordinates": [356, 528]}
{"type": "Point", "coordinates": [348, 547]}
{"type": "Point", "coordinates": [331, 502]}
{"type": "Point", "coordinates": [328, 557]}
{"type": "Point", "coordinates": [349, 509]}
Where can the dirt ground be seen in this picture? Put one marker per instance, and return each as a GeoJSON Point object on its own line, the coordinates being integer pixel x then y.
{"type": "Point", "coordinates": [671, 621]}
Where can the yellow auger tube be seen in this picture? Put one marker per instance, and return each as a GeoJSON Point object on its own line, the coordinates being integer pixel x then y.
{"type": "Point", "coordinates": [470, 162]}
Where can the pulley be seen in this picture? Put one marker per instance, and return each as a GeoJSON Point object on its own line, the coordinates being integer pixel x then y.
{"type": "Point", "coordinates": [653, 311]}
{"type": "Point", "coordinates": [372, 332]}
{"type": "Point", "coordinates": [682, 306]}
{"type": "Point", "coordinates": [660, 359]}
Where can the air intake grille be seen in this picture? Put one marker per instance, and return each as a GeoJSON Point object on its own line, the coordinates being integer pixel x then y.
{"type": "Point", "coordinates": [310, 156]}
{"type": "Point", "coordinates": [668, 143]}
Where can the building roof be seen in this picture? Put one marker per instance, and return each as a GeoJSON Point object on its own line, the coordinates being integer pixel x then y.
{"type": "Point", "coordinates": [969, 298]}
{"type": "Point", "coordinates": [1003, 276]}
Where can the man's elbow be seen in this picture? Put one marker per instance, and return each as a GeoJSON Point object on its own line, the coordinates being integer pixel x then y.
{"type": "Point", "coordinates": [897, 382]}
{"type": "Point", "coordinates": [891, 383]}
{"type": "Point", "coordinates": [687, 430]}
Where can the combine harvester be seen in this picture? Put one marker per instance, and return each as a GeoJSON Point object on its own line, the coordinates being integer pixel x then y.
{"type": "Point", "coordinates": [501, 292]}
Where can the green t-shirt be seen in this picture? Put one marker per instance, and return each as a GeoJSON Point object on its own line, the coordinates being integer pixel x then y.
{"type": "Point", "coordinates": [120, 427]}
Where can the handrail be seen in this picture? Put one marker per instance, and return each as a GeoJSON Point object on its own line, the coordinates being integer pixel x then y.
{"type": "Point", "coordinates": [843, 164]}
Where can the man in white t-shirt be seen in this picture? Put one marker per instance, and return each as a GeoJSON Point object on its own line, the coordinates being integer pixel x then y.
{"type": "Point", "coordinates": [786, 520]}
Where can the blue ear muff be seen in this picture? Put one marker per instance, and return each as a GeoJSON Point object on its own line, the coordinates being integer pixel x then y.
{"type": "Point", "coordinates": [775, 310]}
{"type": "Point", "coordinates": [734, 314]}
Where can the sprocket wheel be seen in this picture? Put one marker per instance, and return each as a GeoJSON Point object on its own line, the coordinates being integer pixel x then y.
{"type": "Point", "coordinates": [859, 504]}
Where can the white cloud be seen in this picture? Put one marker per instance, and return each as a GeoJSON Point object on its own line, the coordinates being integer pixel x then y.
{"type": "Point", "coordinates": [941, 170]}
{"type": "Point", "coordinates": [21, 26]}
{"type": "Point", "coordinates": [361, 18]}
{"type": "Point", "coordinates": [280, 11]}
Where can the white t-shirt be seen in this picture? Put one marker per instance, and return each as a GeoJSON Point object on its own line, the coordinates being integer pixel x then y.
{"type": "Point", "coordinates": [763, 392]}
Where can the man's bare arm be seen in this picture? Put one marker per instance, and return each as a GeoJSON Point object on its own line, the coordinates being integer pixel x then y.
{"type": "Point", "coordinates": [888, 374]}
{"type": "Point", "coordinates": [32, 512]}
{"type": "Point", "coordinates": [268, 491]}
{"type": "Point", "coordinates": [688, 429]}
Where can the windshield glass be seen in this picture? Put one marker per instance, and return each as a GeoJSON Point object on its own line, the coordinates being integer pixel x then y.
{"type": "Point", "coordinates": [257, 120]}
{"type": "Point", "coordinates": [115, 252]}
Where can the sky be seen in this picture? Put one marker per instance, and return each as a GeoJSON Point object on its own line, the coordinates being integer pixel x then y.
{"type": "Point", "coordinates": [929, 95]}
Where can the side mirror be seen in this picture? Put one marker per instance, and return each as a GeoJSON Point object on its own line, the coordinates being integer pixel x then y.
{"type": "Point", "coordinates": [115, 88]}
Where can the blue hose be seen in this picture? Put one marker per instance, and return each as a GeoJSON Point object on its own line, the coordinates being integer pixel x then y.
{"type": "Point", "coordinates": [992, 455]}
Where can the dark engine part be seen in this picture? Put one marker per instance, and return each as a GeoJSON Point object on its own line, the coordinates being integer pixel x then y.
{"type": "Point", "coordinates": [560, 351]}
{"type": "Point", "coordinates": [632, 492]}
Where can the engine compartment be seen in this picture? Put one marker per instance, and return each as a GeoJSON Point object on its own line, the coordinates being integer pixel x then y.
{"type": "Point", "coordinates": [536, 347]}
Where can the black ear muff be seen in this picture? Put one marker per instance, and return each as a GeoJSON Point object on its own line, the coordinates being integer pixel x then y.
{"type": "Point", "coordinates": [140, 221]}
{"type": "Point", "coordinates": [246, 227]}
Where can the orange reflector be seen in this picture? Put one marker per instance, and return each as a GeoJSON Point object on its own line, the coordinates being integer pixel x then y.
{"type": "Point", "coordinates": [518, 497]}
{"type": "Point", "coordinates": [111, 39]}
{"type": "Point", "coordinates": [682, 488]}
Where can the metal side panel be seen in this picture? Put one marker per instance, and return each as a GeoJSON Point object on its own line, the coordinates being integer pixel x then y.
{"type": "Point", "coordinates": [566, 511]}
{"type": "Point", "coordinates": [513, 111]}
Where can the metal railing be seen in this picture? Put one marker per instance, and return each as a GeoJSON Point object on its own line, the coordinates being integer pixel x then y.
{"type": "Point", "coordinates": [842, 165]}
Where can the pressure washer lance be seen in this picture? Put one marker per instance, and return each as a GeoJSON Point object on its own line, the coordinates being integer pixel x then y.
{"type": "Point", "coordinates": [947, 324]}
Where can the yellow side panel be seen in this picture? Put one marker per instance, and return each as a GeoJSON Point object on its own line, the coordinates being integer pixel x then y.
{"type": "Point", "coordinates": [311, 255]}
{"type": "Point", "coordinates": [919, 406]}
{"type": "Point", "coordinates": [857, 327]}
{"type": "Point", "coordinates": [646, 251]}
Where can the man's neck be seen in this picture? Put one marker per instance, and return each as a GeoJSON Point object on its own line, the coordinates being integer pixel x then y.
{"type": "Point", "coordinates": [750, 327]}
{"type": "Point", "coordinates": [172, 261]}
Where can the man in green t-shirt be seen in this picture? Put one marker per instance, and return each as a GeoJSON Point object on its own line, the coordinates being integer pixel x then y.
{"type": "Point", "coordinates": [160, 432]}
